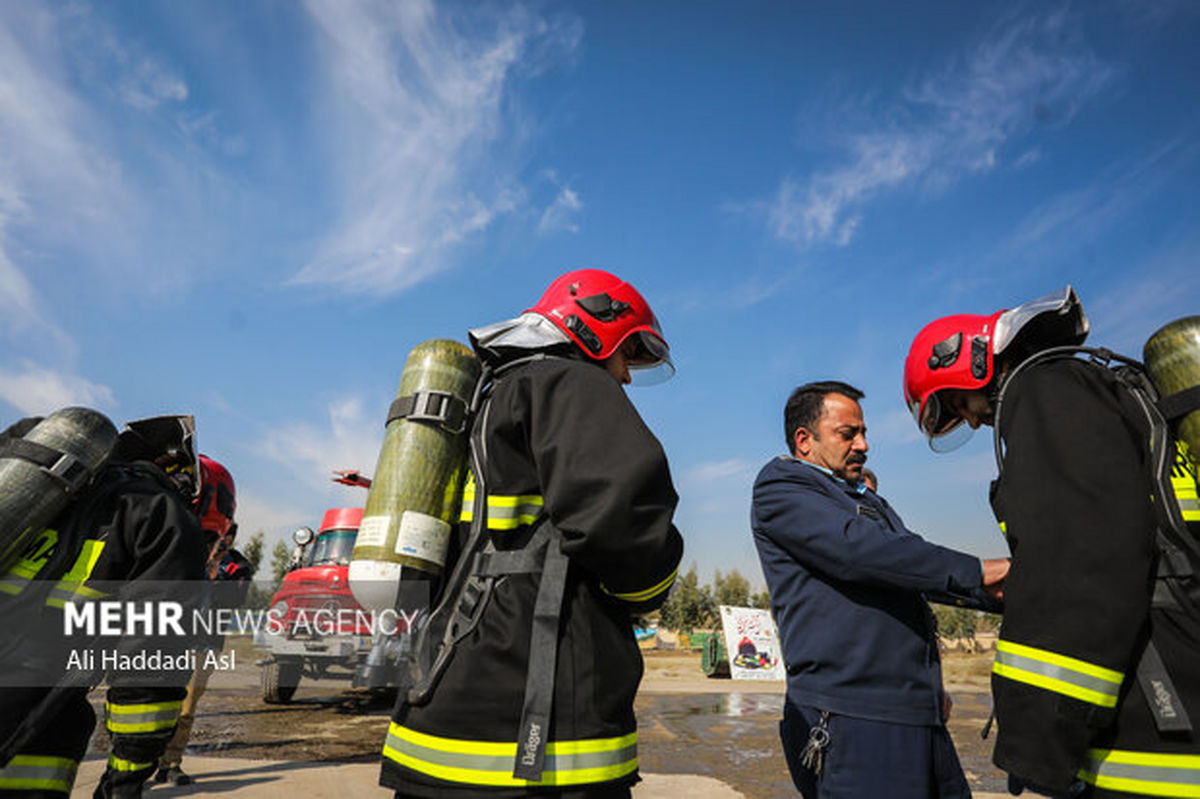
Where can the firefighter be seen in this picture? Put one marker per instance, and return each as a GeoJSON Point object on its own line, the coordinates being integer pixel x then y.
{"type": "Point", "coordinates": [215, 508]}
{"type": "Point", "coordinates": [535, 704]}
{"type": "Point", "coordinates": [1095, 679]}
{"type": "Point", "coordinates": [130, 533]}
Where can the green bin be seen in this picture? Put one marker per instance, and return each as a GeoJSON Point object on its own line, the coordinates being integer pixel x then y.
{"type": "Point", "coordinates": [714, 660]}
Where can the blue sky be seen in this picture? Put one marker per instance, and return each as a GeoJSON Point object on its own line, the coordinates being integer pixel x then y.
{"type": "Point", "coordinates": [252, 211]}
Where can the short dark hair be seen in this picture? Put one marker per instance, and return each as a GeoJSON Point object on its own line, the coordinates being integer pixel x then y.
{"type": "Point", "coordinates": [807, 403]}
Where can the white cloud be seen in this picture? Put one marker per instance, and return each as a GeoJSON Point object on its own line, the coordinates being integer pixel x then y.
{"type": "Point", "coordinates": [146, 84]}
{"type": "Point", "coordinates": [715, 471]}
{"type": "Point", "coordinates": [349, 440]}
{"type": "Point", "coordinates": [255, 513]}
{"type": "Point", "coordinates": [413, 105]}
{"type": "Point", "coordinates": [37, 390]}
{"type": "Point", "coordinates": [948, 126]}
{"type": "Point", "coordinates": [558, 216]}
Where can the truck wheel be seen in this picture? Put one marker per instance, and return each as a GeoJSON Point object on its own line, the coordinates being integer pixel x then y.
{"type": "Point", "coordinates": [279, 681]}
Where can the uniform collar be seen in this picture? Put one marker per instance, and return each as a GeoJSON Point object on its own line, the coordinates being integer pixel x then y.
{"type": "Point", "coordinates": [859, 487]}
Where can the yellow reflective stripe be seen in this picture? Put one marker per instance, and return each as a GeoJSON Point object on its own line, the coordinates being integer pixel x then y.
{"type": "Point", "coordinates": [1143, 773]}
{"type": "Point", "coordinates": [119, 764]}
{"type": "Point", "coordinates": [12, 584]}
{"type": "Point", "coordinates": [1058, 673]}
{"type": "Point", "coordinates": [82, 568]}
{"type": "Point", "coordinates": [142, 718]}
{"type": "Point", "coordinates": [505, 511]}
{"type": "Point", "coordinates": [38, 772]}
{"type": "Point", "coordinates": [468, 501]}
{"type": "Point", "coordinates": [1184, 483]}
{"type": "Point", "coordinates": [649, 593]}
{"type": "Point", "coordinates": [66, 592]}
{"type": "Point", "coordinates": [37, 555]}
{"type": "Point", "coordinates": [491, 763]}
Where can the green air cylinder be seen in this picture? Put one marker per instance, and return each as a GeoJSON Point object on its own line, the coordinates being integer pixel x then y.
{"type": "Point", "coordinates": [1172, 357]}
{"type": "Point", "coordinates": [74, 444]}
{"type": "Point", "coordinates": [415, 494]}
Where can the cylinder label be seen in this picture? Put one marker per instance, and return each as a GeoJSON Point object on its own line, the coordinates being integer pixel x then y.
{"type": "Point", "coordinates": [423, 536]}
{"type": "Point", "coordinates": [372, 531]}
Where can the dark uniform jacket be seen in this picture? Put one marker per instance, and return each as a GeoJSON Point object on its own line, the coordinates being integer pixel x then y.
{"type": "Point", "coordinates": [564, 445]}
{"type": "Point", "coordinates": [1074, 498]}
{"type": "Point", "coordinates": [131, 529]}
{"type": "Point", "coordinates": [845, 578]}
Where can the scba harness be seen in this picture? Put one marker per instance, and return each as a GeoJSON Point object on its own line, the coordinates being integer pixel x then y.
{"type": "Point", "coordinates": [479, 569]}
{"type": "Point", "coordinates": [1172, 477]}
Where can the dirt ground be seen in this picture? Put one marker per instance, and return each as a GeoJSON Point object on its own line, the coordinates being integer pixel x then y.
{"type": "Point", "coordinates": [688, 724]}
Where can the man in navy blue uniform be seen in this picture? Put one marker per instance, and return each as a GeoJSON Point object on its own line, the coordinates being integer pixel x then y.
{"type": "Point", "coordinates": [865, 712]}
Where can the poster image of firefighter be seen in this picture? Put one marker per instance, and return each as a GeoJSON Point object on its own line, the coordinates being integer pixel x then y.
{"type": "Point", "coordinates": [752, 644]}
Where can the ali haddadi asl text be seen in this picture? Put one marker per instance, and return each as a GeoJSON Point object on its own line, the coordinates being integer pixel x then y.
{"type": "Point", "coordinates": [153, 660]}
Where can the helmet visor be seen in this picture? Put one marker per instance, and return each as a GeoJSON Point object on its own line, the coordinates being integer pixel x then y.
{"type": "Point", "coordinates": [651, 362]}
{"type": "Point", "coordinates": [944, 430]}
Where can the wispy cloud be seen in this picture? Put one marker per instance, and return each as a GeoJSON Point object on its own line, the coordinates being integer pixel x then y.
{"type": "Point", "coordinates": [37, 390]}
{"type": "Point", "coordinates": [349, 440]}
{"type": "Point", "coordinates": [72, 203]}
{"type": "Point", "coordinates": [714, 471]}
{"type": "Point", "coordinates": [560, 214]}
{"type": "Point", "coordinates": [255, 513]}
{"type": "Point", "coordinates": [946, 127]}
{"type": "Point", "coordinates": [414, 103]}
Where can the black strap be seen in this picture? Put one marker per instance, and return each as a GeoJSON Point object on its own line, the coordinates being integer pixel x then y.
{"type": "Point", "coordinates": [440, 407]}
{"type": "Point", "coordinates": [1180, 403]}
{"type": "Point", "coordinates": [62, 466]}
{"type": "Point", "coordinates": [543, 663]}
{"type": "Point", "coordinates": [519, 561]}
{"type": "Point", "coordinates": [1165, 703]}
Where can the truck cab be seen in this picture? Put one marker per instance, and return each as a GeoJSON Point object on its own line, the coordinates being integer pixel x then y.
{"type": "Point", "coordinates": [318, 630]}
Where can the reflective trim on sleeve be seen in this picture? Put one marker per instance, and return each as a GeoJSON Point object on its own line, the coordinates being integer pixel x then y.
{"type": "Point", "coordinates": [504, 512]}
{"type": "Point", "coordinates": [1058, 673]}
{"type": "Point", "coordinates": [1143, 773]}
{"type": "Point", "coordinates": [491, 763]}
{"type": "Point", "coordinates": [150, 717]}
{"type": "Point", "coordinates": [647, 594]}
{"type": "Point", "coordinates": [38, 773]}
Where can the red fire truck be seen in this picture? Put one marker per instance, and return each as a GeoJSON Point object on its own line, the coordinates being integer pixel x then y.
{"type": "Point", "coordinates": [318, 631]}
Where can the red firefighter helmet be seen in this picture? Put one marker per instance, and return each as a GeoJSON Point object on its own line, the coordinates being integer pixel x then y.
{"type": "Point", "coordinates": [217, 501]}
{"type": "Point", "coordinates": [599, 312]}
{"type": "Point", "coordinates": [960, 352]}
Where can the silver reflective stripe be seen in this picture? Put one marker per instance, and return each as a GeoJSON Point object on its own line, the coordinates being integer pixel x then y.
{"type": "Point", "coordinates": [38, 772]}
{"type": "Point", "coordinates": [1145, 773]}
{"type": "Point", "coordinates": [12, 584]}
{"type": "Point", "coordinates": [65, 592]}
{"type": "Point", "coordinates": [1058, 673]}
{"type": "Point", "coordinates": [491, 763]}
{"type": "Point", "coordinates": [142, 718]}
{"type": "Point", "coordinates": [504, 512]}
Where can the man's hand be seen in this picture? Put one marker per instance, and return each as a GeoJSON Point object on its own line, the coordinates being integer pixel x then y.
{"type": "Point", "coordinates": [947, 704]}
{"type": "Point", "coordinates": [995, 570]}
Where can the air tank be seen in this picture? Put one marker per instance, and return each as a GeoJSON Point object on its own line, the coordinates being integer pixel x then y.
{"type": "Point", "coordinates": [1172, 357]}
{"type": "Point", "coordinates": [415, 493]}
{"type": "Point", "coordinates": [32, 495]}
